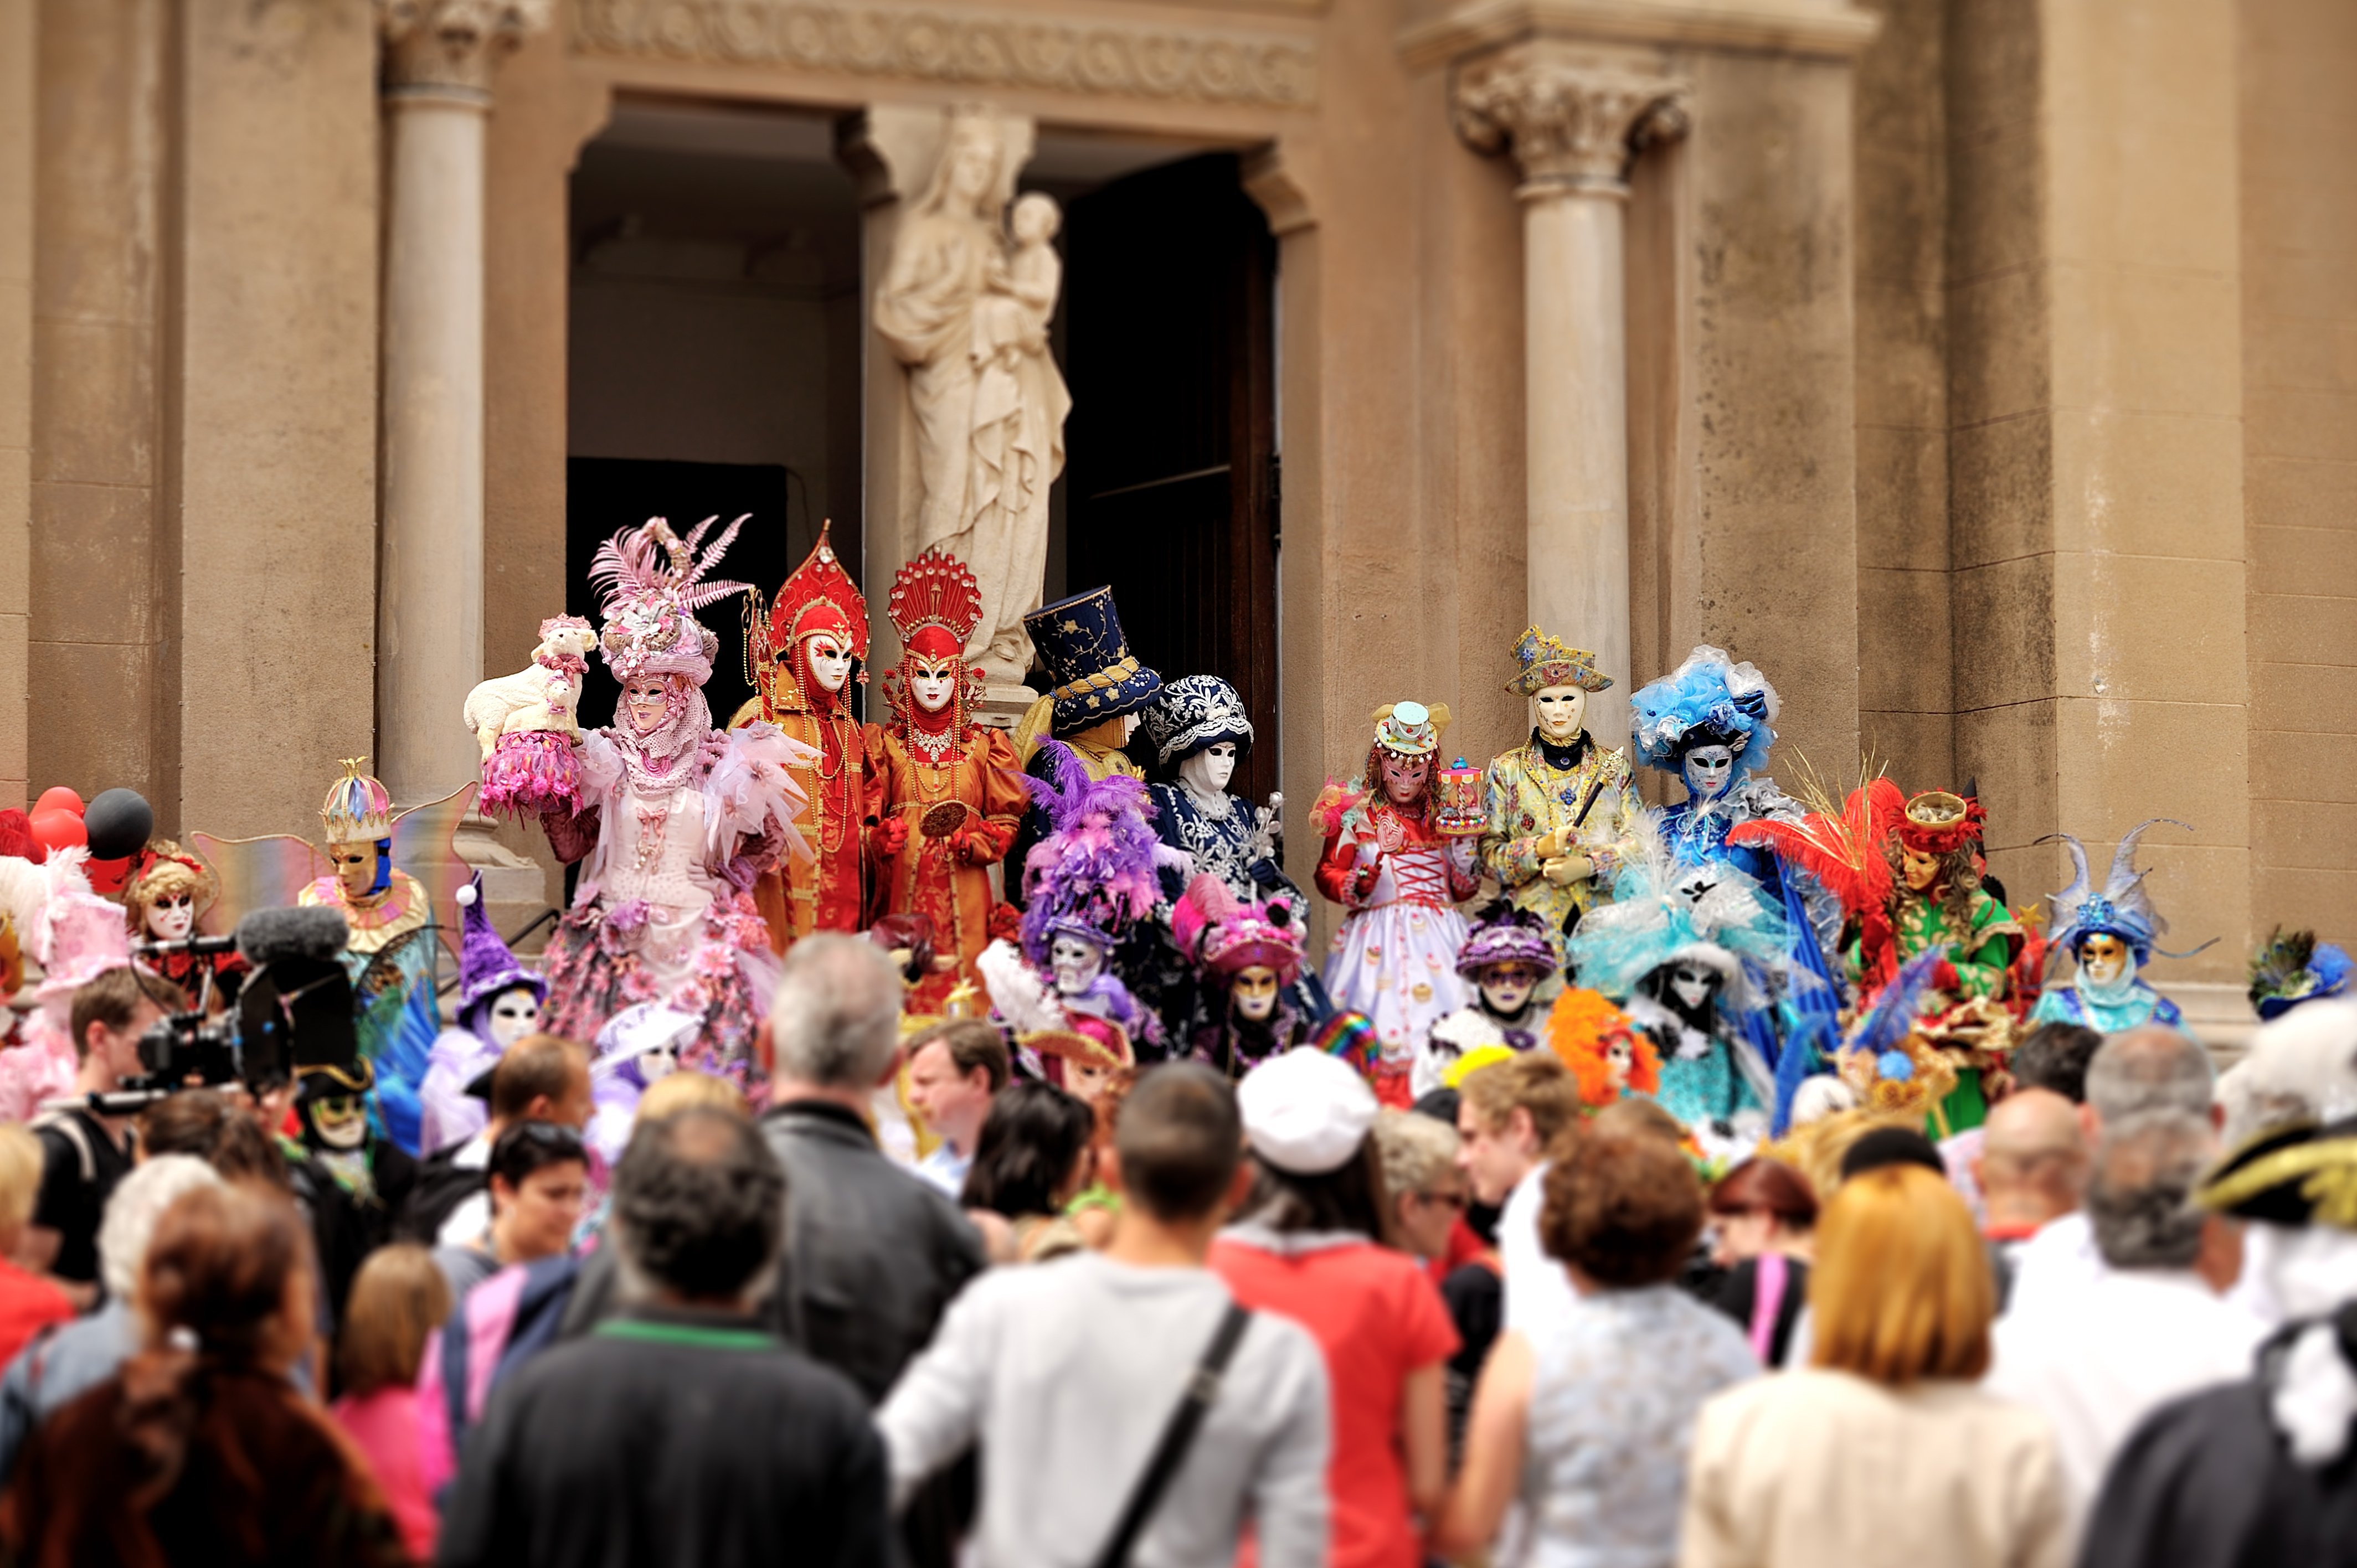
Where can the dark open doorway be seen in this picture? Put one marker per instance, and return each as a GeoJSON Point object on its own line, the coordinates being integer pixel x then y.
{"type": "Point", "coordinates": [605, 494]}
{"type": "Point", "coordinates": [1170, 488]}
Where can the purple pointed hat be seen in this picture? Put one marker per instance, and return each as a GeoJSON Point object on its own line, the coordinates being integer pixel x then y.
{"type": "Point", "coordinates": [486, 966]}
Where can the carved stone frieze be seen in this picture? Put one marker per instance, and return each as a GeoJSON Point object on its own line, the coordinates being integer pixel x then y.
{"type": "Point", "coordinates": [455, 43]}
{"type": "Point", "coordinates": [1568, 119]}
{"type": "Point", "coordinates": [972, 47]}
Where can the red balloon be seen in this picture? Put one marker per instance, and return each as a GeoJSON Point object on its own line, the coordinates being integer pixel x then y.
{"type": "Point", "coordinates": [58, 797]}
{"type": "Point", "coordinates": [58, 829]}
{"type": "Point", "coordinates": [109, 875]}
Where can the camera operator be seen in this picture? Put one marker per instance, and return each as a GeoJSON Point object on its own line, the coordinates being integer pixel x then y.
{"type": "Point", "coordinates": [84, 1154]}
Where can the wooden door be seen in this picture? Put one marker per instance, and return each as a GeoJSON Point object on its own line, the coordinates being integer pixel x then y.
{"type": "Point", "coordinates": [1171, 478]}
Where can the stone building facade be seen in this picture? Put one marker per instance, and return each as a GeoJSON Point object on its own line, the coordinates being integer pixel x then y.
{"type": "Point", "coordinates": [1981, 371]}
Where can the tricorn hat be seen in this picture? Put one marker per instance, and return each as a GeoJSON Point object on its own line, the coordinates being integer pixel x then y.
{"type": "Point", "coordinates": [1547, 661]}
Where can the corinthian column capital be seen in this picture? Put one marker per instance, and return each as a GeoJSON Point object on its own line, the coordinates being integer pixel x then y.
{"type": "Point", "coordinates": [1570, 120]}
{"type": "Point", "coordinates": [454, 44]}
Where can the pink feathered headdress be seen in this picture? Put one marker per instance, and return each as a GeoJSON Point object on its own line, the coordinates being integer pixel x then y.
{"type": "Point", "coordinates": [78, 936]}
{"type": "Point", "coordinates": [652, 584]}
{"type": "Point", "coordinates": [1226, 935]}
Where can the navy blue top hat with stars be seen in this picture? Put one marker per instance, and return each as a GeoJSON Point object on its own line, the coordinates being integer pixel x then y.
{"type": "Point", "coordinates": [1096, 677]}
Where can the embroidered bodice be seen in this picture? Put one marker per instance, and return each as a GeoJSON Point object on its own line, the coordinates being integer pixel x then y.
{"type": "Point", "coordinates": [657, 853]}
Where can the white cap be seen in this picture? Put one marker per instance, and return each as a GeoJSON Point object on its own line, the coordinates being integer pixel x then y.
{"type": "Point", "coordinates": [1305, 1113]}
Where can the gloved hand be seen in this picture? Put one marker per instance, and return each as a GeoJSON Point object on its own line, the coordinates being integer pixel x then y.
{"type": "Point", "coordinates": [888, 837]}
{"type": "Point", "coordinates": [981, 843]}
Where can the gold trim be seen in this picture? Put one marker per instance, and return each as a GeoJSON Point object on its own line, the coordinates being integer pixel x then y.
{"type": "Point", "coordinates": [2331, 1165]}
{"type": "Point", "coordinates": [1104, 680]}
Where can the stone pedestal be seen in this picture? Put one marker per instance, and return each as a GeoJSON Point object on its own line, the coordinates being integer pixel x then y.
{"type": "Point", "coordinates": [1571, 117]}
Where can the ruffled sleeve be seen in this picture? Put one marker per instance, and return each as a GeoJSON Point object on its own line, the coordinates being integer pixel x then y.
{"type": "Point", "coordinates": [750, 794]}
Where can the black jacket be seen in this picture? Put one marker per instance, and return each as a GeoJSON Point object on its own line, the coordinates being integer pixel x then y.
{"type": "Point", "coordinates": [873, 1254]}
{"type": "Point", "coordinates": [439, 1186]}
{"type": "Point", "coordinates": [671, 1436]}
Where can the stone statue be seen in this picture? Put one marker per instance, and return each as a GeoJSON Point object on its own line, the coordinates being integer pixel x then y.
{"type": "Point", "coordinates": [966, 311]}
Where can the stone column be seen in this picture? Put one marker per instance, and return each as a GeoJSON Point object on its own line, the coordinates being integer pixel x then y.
{"type": "Point", "coordinates": [1572, 119]}
{"type": "Point", "coordinates": [439, 59]}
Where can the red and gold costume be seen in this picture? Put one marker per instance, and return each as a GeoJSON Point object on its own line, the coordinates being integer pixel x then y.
{"type": "Point", "coordinates": [946, 793]}
{"type": "Point", "coordinates": [826, 894]}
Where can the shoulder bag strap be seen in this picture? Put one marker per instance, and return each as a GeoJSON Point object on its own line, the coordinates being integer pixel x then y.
{"type": "Point", "coordinates": [1767, 1302]}
{"type": "Point", "coordinates": [1177, 1437]}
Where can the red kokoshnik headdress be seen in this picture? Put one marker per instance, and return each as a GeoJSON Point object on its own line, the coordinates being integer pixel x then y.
{"type": "Point", "coordinates": [819, 598]}
{"type": "Point", "coordinates": [935, 605]}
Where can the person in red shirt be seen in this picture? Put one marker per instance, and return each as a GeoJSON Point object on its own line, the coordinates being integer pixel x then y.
{"type": "Point", "coordinates": [29, 1302]}
{"type": "Point", "coordinates": [1307, 1249]}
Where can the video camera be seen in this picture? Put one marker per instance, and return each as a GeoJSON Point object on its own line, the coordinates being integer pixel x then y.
{"type": "Point", "coordinates": [296, 1007]}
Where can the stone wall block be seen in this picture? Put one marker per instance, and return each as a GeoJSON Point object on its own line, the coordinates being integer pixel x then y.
{"type": "Point", "coordinates": [2125, 760]}
{"type": "Point", "coordinates": [2001, 480]}
{"type": "Point", "coordinates": [94, 386]}
{"type": "Point", "coordinates": [2303, 630]}
{"type": "Point", "coordinates": [1997, 354]}
{"type": "Point", "coordinates": [2308, 835]}
{"type": "Point", "coordinates": [1902, 234]}
{"type": "Point", "coordinates": [1915, 747]}
{"type": "Point", "coordinates": [1995, 211]}
{"type": "Point", "coordinates": [2304, 422]}
{"type": "Point", "coordinates": [2148, 339]}
{"type": "Point", "coordinates": [2005, 637]}
{"type": "Point", "coordinates": [2296, 766]}
{"type": "Point", "coordinates": [78, 728]}
{"type": "Point", "coordinates": [90, 580]}
{"type": "Point", "coordinates": [2299, 898]}
{"type": "Point", "coordinates": [2151, 627]}
{"type": "Point", "coordinates": [2133, 187]}
{"type": "Point", "coordinates": [2148, 483]}
{"type": "Point", "coordinates": [2294, 696]}
{"type": "Point", "coordinates": [2297, 492]}
{"type": "Point", "coordinates": [1902, 498]}
{"type": "Point", "coordinates": [2011, 752]}
{"type": "Point", "coordinates": [1904, 381]}
{"type": "Point", "coordinates": [2303, 564]}
{"type": "Point", "coordinates": [1901, 648]}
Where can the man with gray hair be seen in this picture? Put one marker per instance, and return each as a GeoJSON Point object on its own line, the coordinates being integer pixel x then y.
{"type": "Point", "coordinates": [678, 1433]}
{"type": "Point", "coordinates": [2152, 1325]}
{"type": "Point", "coordinates": [2136, 1072]}
{"type": "Point", "coordinates": [873, 1254]}
{"type": "Point", "coordinates": [56, 1368]}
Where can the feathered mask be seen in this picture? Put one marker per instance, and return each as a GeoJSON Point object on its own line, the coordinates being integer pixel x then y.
{"type": "Point", "coordinates": [2122, 909]}
{"type": "Point", "coordinates": [1662, 912]}
{"type": "Point", "coordinates": [1093, 876]}
{"type": "Point", "coordinates": [651, 583]}
{"type": "Point", "coordinates": [2293, 968]}
{"type": "Point", "coordinates": [1709, 700]}
{"type": "Point", "coordinates": [1842, 848]}
{"type": "Point", "coordinates": [1227, 936]}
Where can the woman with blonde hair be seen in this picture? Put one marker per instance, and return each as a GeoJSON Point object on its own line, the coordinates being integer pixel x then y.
{"type": "Point", "coordinates": [1884, 1451]}
{"type": "Point", "coordinates": [399, 1297]}
{"type": "Point", "coordinates": [29, 1302]}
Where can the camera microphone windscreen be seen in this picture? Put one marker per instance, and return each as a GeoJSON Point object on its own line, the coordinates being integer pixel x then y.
{"type": "Point", "coordinates": [314, 933]}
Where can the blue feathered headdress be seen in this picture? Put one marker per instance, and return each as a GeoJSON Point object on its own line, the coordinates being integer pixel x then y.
{"type": "Point", "coordinates": [2121, 907]}
{"type": "Point", "coordinates": [1709, 700]}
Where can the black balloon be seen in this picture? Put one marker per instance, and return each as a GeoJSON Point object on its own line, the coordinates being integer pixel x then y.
{"type": "Point", "coordinates": [120, 822]}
